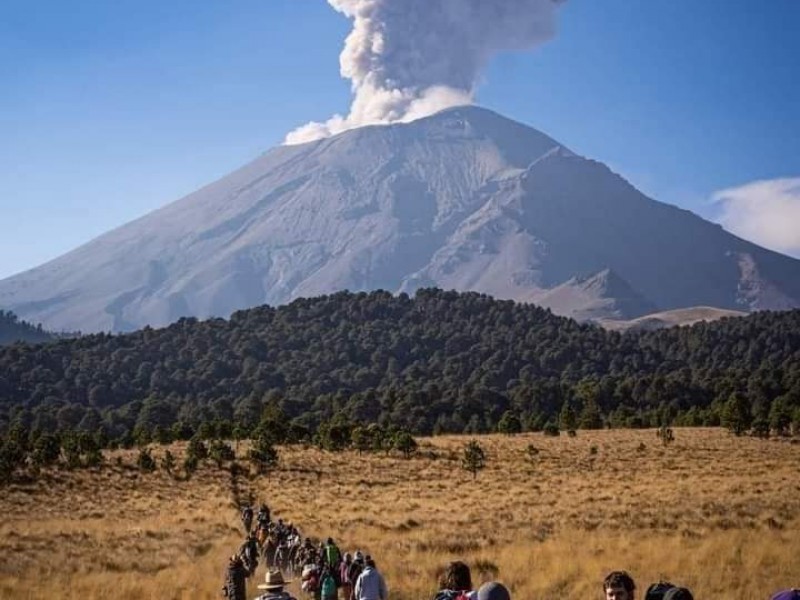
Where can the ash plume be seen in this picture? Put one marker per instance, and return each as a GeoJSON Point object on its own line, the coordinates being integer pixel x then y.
{"type": "Point", "coordinates": [410, 58]}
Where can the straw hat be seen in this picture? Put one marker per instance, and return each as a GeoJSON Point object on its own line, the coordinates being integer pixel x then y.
{"type": "Point", "coordinates": [273, 580]}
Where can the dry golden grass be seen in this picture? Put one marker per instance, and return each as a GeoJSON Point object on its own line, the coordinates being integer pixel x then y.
{"type": "Point", "coordinates": [712, 512]}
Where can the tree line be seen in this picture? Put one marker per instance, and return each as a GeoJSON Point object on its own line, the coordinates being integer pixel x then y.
{"type": "Point", "coordinates": [437, 362]}
{"type": "Point", "coordinates": [12, 329]}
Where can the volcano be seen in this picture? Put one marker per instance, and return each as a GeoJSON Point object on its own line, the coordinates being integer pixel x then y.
{"type": "Point", "coordinates": [464, 199]}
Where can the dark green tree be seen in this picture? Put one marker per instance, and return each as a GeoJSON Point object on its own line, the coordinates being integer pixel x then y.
{"type": "Point", "coordinates": [780, 418]}
{"type": "Point", "coordinates": [736, 414]}
{"type": "Point", "coordinates": [590, 415]}
{"type": "Point", "coordinates": [509, 423]}
{"type": "Point", "coordinates": [474, 458]}
{"type": "Point", "coordinates": [145, 461]}
{"type": "Point", "coordinates": [405, 443]}
{"type": "Point", "coordinates": [219, 452]}
{"type": "Point", "coordinates": [263, 454]}
{"type": "Point", "coordinates": [567, 419]}
{"type": "Point", "coordinates": [168, 462]}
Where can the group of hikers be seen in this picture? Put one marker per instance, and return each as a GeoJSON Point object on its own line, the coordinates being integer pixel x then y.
{"type": "Point", "coordinates": [325, 572]}
{"type": "Point", "coordinates": [619, 585]}
{"type": "Point", "coordinates": [328, 574]}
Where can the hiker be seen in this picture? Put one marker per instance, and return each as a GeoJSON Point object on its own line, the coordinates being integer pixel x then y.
{"type": "Point", "coordinates": [262, 518]}
{"type": "Point", "coordinates": [248, 552]}
{"type": "Point", "coordinates": [456, 583]}
{"type": "Point", "coordinates": [274, 584]}
{"type": "Point", "coordinates": [234, 587]}
{"type": "Point", "coordinates": [493, 590]}
{"type": "Point", "coordinates": [370, 584]}
{"type": "Point", "coordinates": [247, 518]}
{"type": "Point", "coordinates": [331, 555]}
{"type": "Point", "coordinates": [344, 576]}
{"type": "Point", "coordinates": [618, 585]}
{"type": "Point", "coordinates": [792, 594]}
{"type": "Point", "coordinates": [327, 585]}
{"type": "Point", "coordinates": [310, 579]}
{"type": "Point", "coordinates": [353, 572]}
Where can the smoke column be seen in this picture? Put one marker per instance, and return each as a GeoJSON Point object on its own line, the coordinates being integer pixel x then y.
{"type": "Point", "coordinates": [410, 58]}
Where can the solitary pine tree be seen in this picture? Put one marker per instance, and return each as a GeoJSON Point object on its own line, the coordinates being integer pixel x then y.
{"type": "Point", "coordinates": [474, 458]}
{"type": "Point", "coordinates": [263, 454]}
{"type": "Point", "coordinates": [405, 443]}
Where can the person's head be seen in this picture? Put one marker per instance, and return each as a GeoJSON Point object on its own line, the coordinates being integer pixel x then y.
{"type": "Point", "coordinates": [456, 577]}
{"type": "Point", "coordinates": [330, 541]}
{"type": "Point", "coordinates": [273, 581]}
{"type": "Point", "coordinates": [493, 590]}
{"type": "Point", "coordinates": [618, 585]}
{"type": "Point", "coordinates": [348, 558]}
{"type": "Point", "coordinates": [368, 561]}
{"type": "Point", "coordinates": [359, 556]}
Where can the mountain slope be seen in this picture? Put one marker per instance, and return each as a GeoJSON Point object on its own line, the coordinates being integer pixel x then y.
{"type": "Point", "coordinates": [464, 199]}
{"type": "Point", "coordinates": [682, 317]}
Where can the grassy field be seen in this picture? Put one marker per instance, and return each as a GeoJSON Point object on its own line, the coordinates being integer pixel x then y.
{"type": "Point", "coordinates": [713, 512]}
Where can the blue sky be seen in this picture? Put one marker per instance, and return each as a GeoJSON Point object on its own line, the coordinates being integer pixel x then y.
{"type": "Point", "coordinates": [109, 110]}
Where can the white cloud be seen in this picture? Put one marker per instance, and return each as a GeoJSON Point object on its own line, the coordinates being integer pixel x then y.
{"type": "Point", "coordinates": [765, 212]}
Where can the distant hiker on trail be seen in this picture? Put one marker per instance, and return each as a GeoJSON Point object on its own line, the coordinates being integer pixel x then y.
{"type": "Point", "coordinates": [248, 552]}
{"type": "Point", "coordinates": [618, 585]}
{"type": "Point", "coordinates": [247, 518]}
{"type": "Point", "coordinates": [370, 584]}
{"type": "Point", "coordinates": [493, 590]}
{"type": "Point", "coordinates": [344, 576]}
{"type": "Point", "coordinates": [310, 579]}
{"type": "Point", "coordinates": [274, 584]}
{"type": "Point", "coordinates": [353, 572]}
{"type": "Point", "coordinates": [327, 585]}
{"type": "Point", "coordinates": [234, 587]}
{"type": "Point", "coordinates": [331, 555]}
{"type": "Point", "coordinates": [456, 583]}
{"type": "Point", "coordinates": [263, 516]}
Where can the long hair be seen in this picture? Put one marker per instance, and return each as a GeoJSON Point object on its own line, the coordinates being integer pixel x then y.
{"type": "Point", "coordinates": [456, 577]}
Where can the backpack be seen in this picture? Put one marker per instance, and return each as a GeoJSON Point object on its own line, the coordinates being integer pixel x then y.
{"type": "Point", "coordinates": [333, 555]}
{"type": "Point", "coordinates": [664, 590]}
{"type": "Point", "coordinates": [678, 593]}
{"type": "Point", "coordinates": [657, 590]}
{"type": "Point", "coordinates": [328, 586]}
{"type": "Point", "coordinates": [451, 595]}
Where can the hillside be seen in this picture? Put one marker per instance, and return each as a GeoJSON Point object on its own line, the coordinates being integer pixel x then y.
{"type": "Point", "coordinates": [465, 199]}
{"type": "Point", "coordinates": [13, 330]}
{"type": "Point", "coordinates": [671, 318]}
{"type": "Point", "coordinates": [437, 362]}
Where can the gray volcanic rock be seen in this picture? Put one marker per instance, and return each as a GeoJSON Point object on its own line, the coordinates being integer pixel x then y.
{"type": "Point", "coordinates": [464, 199]}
